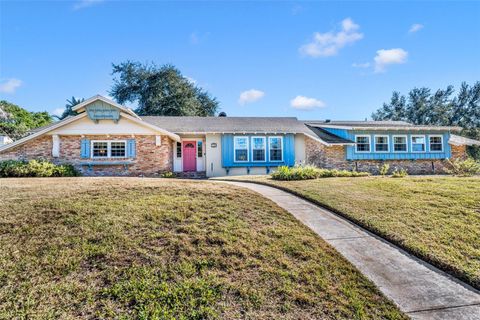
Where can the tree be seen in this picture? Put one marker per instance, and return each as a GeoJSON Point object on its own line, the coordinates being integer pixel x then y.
{"type": "Point", "coordinates": [160, 91]}
{"type": "Point", "coordinates": [68, 108]}
{"type": "Point", "coordinates": [16, 121]}
{"type": "Point", "coordinates": [440, 108]}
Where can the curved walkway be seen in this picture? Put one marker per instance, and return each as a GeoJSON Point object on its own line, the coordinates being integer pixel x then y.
{"type": "Point", "coordinates": [419, 289]}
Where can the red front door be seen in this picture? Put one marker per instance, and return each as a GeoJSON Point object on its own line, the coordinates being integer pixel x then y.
{"type": "Point", "coordinates": [189, 156]}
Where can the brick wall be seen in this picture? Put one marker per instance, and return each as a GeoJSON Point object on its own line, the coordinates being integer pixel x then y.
{"type": "Point", "coordinates": [333, 157]}
{"type": "Point", "coordinates": [150, 160]}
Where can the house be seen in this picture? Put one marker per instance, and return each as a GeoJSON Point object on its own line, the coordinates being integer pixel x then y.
{"type": "Point", "coordinates": [5, 140]}
{"type": "Point", "coordinates": [106, 138]}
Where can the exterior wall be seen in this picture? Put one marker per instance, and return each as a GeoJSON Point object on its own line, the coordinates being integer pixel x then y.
{"type": "Point", "coordinates": [150, 159]}
{"type": "Point", "coordinates": [87, 126]}
{"type": "Point", "coordinates": [213, 156]}
{"type": "Point", "coordinates": [334, 157]}
{"type": "Point", "coordinates": [299, 149]}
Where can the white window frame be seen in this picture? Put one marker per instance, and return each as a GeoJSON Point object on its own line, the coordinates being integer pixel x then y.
{"type": "Point", "coordinates": [375, 143]}
{"type": "Point", "coordinates": [109, 149]}
{"type": "Point", "coordinates": [203, 148]}
{"type": "Point", "coordinates": [369, 143]}
{"type": "Point", "coordinates": [430, 143]}
{"type": "Point", "coordinates": [264, 148]}
{"type": "Point", "coordinates": [399, 136]}
{"type": "Point", "coordinates": [424, 143]}
{"type": "Point", "coordinates": [235, 138]}
{"type": "Point", "coordinates": [181, 150]}
{"type": "Point", "coordinates": [269, 149]}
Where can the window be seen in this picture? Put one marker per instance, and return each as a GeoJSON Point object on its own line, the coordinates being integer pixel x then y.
{"type": "Point", "coordinates": [362, 143]}
{"type": "Point", "coordinates": [436, 143]}
{"type": "Point", "coordinates": [179, 149]}
{"type": "Point", "coordinates": [381, 144]}
{"type": "Point", "coordinates": [109, 149]}
{"type": "Point", "coordinates": [276, 148]}
{"type": "Point", "coordinates": [399, 143]}
{"type": "Point", "coordinates": [199, 149]}
{"type": "Point", "coordinates": [258, 148]}
{"type": "Point", "coordinates": [240, 149]}
{"type": "Point", "coordinates": [418, 143]}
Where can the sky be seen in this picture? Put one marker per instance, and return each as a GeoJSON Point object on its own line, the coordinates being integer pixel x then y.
{"type": "Point", "coordinates": [311, 60]}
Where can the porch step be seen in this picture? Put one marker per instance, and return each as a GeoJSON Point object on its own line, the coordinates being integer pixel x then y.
{"type": "Point", "coordinates": [192, 175]}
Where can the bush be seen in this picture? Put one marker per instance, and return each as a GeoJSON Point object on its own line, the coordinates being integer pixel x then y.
{"type": "Point", "coordinates": [168, 174]}
{"type": "Point", "coordinates": [399, 173]}
{"type": "Point", "coordinates": [383, 170]}
{"type": "Point", "coordinates": [311, 172]}
{"type": "Point", "coordinates": [465, 168]}
{"type": "Point", "coordinates": [35, 168]}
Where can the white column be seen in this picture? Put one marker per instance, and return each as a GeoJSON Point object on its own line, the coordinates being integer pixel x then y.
{"type": "Point", "coordinates": [55, 146]}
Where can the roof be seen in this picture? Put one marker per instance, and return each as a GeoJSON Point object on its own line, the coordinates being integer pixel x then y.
{"type": "Point", "coordinates": [35, 130]}
{"type": "Point", "coordinates": [378, 125]}
{"type": "Point", "coordinates": [83, 104]}
{"type": "Point", "coordinates": [328, 137]}
{"type": "Point", "coordinates": [459, 141]}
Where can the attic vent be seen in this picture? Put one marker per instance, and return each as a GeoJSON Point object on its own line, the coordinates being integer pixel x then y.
{"type": "Point", "coordinates": [222, 114]}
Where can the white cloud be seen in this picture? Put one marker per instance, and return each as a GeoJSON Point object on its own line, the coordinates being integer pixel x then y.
{"type": "Point", "coordinates": [85, 4]}
{"type": "Point", "coordinates": [329, 43]}
{"type": "Point", "coordinates": [10, 85]}
{"type": "Point", "coordinates": [58, 111]}
{"type": "Point", "coordinates": [249, 96]}
{"type": "Point", "coordinates": [391, 56]}
{"type": "Point", "coordinates": [361, 65]}
{"type": "Point", "coordinates": [415, 27]}
{"type": "Point", "coordinates": [305, 103]}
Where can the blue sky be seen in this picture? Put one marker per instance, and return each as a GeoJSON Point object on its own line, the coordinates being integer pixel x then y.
{"type": "Point", "coordinates": [312, 60]}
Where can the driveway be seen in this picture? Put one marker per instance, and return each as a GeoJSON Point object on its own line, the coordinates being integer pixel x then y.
{"type": "Point", "coordinates": [419, 289]}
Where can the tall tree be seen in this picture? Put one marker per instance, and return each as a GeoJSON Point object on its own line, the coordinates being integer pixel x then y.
{"type": "Point", "coordinates": [16, 121]}
{"type": "Point", "coordinates": [440, 108]}
{"type": "Point", "coordinates": [68, 108]}
{"type": "Point", "coordinates": [160, 91]}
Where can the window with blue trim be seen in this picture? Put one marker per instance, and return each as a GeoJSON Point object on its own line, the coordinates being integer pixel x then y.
{"type": "Point", "coordinates": [418, 143]}
{"type": "Point", "coordinates": [381, 143]}
{"type": "Point", "coordinates": [362, 143]}
{"type": "Point", "coordinates": [276, 146]}
{"type": "Point", "coordinates": [258, 149]}
{"type": "Point", "coordinates": [240, 149]}
{"type": "Point", "coordinates": [436, 143]}
{"type": "Point", "coordinates": [400, 143]}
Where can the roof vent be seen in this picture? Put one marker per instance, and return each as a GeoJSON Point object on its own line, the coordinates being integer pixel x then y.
{"type": "Point", "coordinates": [222, 114]}
{"type": "Point", "coordinates": [327, 121]}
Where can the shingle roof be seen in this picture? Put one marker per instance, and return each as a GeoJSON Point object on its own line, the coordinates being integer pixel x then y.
{"type": "Point", "coordinates": [459, 141]}
{"type": "Point", "coordinates": [377, 125]}
{"type": "Point", "coordinates": [328, 137]}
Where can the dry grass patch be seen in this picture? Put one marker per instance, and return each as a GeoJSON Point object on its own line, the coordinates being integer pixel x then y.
{"type": "Point", "coordinates": [162, 249]}
{"type": "Point", "coordinates": [435, 217]}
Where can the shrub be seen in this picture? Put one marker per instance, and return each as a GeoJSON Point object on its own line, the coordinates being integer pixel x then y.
{"type": "Point", "coordinates": [168, 174]}
{"type": "Point", "coordinates": [311, 172]}
{"type": "Point", "coordinates": [383, 170]}
{"type": "Point", "coordinates": [465, 168]}
{"type": "Point", "coordinates": [399, 173]}
{"type": "Point", "coordinates": [35, 168]}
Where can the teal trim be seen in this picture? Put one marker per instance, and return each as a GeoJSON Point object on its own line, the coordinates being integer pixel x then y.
{"type": "Point", "coordinates": [85, 148]}
{"type": "Point", "coordinates": [131, 148]}
{"type": "Point", "coordinates": [288, 152]}
{"type": "Point", "coordinates": [100, 110]}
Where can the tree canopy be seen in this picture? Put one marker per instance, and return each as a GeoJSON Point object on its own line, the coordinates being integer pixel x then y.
{"type": "Point", "coordinates": [160, 91]}
{"type": "Point", "coordinates": [442, 107]}
{"type": "Point", "coordinates": [16, 121]}
{"type": "Point", "coordinates": [68, 108]}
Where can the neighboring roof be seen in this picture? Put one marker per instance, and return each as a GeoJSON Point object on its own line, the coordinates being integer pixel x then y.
{"type": "Point", "coordinates": [460, 141]}
{"type": "Point", "coordinates": [106, 100]}
{"type": "Point", "coordinates": [329, 137]}
{"type": "Point", "coordinates": [378, 125]}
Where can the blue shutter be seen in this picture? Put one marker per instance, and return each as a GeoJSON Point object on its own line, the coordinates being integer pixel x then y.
{"type": "Point", "coordinates": [131, 149]}
{"type": "Point", "coordinates": [85, 148]}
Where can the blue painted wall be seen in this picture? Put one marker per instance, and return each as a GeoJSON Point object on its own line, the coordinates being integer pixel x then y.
{"type": "Point", "coordinates": [409, 155]}
{"type": "Point", "coordinates": [228, 152]}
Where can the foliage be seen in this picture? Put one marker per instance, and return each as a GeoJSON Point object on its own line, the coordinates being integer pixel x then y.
{"type": "Point", "coordinates": [168, 174]}
{"type": "Point", "coordinates": [399, 173]}
{"type": "Point", "coordinates": [35, 168]}
{"type": "Point", "coordinates": [310, 172]}
{"type": "Point", "coordinates": [16, 121]}
{"type": "Point", "coordinates": [160, 91]}
{"type": "Point", "coordinates": [68, 108]}
{"type": "Point", "coordinates": [464, 168]}
{"type": "Point", "coordinates": [421, 106]}
{"type": "Point", "coordinates": [383, 170]}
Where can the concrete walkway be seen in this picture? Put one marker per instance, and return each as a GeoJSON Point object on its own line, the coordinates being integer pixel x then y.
{"type": "Point", "coordinates": [419, 289]}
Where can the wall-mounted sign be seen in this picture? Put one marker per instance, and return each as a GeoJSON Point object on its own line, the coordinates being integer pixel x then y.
{"type": "Point", "coordinates": [213, 145]}
{"type": "Point", "coordinates": [102, 111]}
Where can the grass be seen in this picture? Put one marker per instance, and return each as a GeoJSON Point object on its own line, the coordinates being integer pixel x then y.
{"type": "Point", "coordinates": [436, 218]}
{"type": "Point", "coordinates": [162, 249]}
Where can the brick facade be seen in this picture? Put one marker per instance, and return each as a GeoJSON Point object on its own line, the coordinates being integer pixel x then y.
{"type": "Point", "coordinates": [150, 159]}
{"type": "Point", "coordinates": [334, 157]}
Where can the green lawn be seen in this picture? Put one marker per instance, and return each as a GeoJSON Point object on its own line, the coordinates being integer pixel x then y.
{"type": "Point", "coordinates": [161, 249]}
{"type": "Point", "coordinates": [435, 217]}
